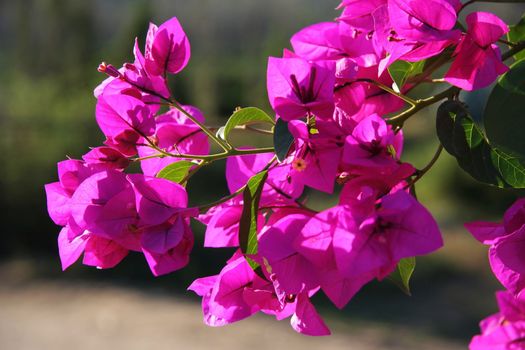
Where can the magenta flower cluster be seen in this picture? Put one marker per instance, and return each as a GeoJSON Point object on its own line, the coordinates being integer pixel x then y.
{"type": "Point", "coordinates": [505, 330]}
{"type": "Point", "coordinates": [106, 213]}
{"type": "Point", "coordinates": [330, 94]}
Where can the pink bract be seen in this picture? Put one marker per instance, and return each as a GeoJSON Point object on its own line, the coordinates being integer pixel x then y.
{"type": "Point", "coordinates": [174, 133]}
{"type": "Point", "coordinates": [504, 330]}
{"type": "Point", "coordinates": [506, 241]}
{"type": "Point", "coordinates": [167, 48]}
{"type": "Point", "coordinates": [478, 61]}
{"type": "Point", "coordinates": [298, 88]}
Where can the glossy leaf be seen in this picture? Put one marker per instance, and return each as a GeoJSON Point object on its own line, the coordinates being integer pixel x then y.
{"type": "Point", "coordinates": [401, 276]}
{"type": "Point", "coordinates": [401, 71]}
{"type": "Point", "coordinates": [517, 33]}
{"type": "Point", "coordinates": [282, 139]}
{"type": "Point", "coordinates": [503, 118]}
{"type": "Point", "coordinates": [244, 116]}
{"type": "Point", "coordinates": [248, 224]}
{"type": "Point", "coordinates": [176, 172]}
{"type": "Point", "coordinates": [485, 162]}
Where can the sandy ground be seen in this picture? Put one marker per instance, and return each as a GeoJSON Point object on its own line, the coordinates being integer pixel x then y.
{"type": "Point", "coordinates": [55, 316]}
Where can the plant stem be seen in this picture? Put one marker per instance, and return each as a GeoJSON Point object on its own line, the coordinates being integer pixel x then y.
{"type": "Point", "coordinates": [466, 4]}
{"type": "Point", "coordinates": [506, 42]}
{"type": "Point", "coordinates": [171, 102]}
{"type": "Point", "coordinates": [426, 169]}
{"type": "Point", "coordinates": [223, 144]}
{"type": "Point", "coordinates": [208, 158]}
{"type": "Point", "coordinates": [399, 120]}
{"type": "Point", "coordinates": [420, 78]}
{"type": "Point", "coordinates": [383, 87]}
{"type": "Point", "coordinates": [518, 47]}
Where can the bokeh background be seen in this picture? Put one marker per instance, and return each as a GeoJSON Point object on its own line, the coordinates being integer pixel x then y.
{"type": "Point", "coordinates": [49, 51]}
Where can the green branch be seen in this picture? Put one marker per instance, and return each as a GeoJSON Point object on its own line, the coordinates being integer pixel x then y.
{"type": "Point", "coordinates": [398, 120]}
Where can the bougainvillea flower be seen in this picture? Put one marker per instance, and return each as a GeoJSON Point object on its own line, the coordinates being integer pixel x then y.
{"type": "Point", "coordinates": [506, 260]}
{"type": "Point", "coordinates": [298, 88]}
{"type": "Point", "coordinates": [152, 86]}
{"type": "Point", "coordinates": [478, 59]}
{"type": "Point", "coordinates": [315, 157]}
{"type": "Point", "coordinates": [103, 253]}
{"type": "Point", "coordinates": [167, 48]}
{"type": "Point", "coordinates": [505, 329]}
{"type": "Point", "coordinates": [279, 188]}
{"type": "Point", "coordinates": [357, 100]}
{"type": "Point", "coordinates": [374, 243]}
{"type": "Point", "coordinates": [222, 224]}
{"type": "Point", "coordinates": [174, 133]}
{"type": "Point", "coordinates": [124, 119]}
{"type": "Point", "coordinates": [71, 174]}
{"type": "Point", "coordinates": [133, 79]}
{"type": "Point", "coordinates": [93, 193]}
{"type": "Point", "coordinates": [323, 41]}
{"type": "Point", "coordinates": [58, 203]}
{"type": "Point", "coordinates": [318, 42]}
{"type": "Point", "coordinates": [358, 15]}
{"type": "Point", "coordinates": [238, 292]}
{"type": "Point", "coordinates": [73, 241]}
{"type": "Point", "coordinates": [358, 47]}
{"type": "Point", "coordinates": [400, 32]}
{"type": "Point", "coordinates": [73, 238]}
{"type": "Point", "coordinates": [157, 200]}
{"type": "Point", "coordinates": [506, 241]}
{"type": "Point", "coordinates": [223, 302]}
{"type": "Point", "coordinates": [294, 273]}
{"type": "Point", "coordinates": [116, 219]}
{"type": "Point", "coordinates": [401, 228]}
{"type": "Point", "coordinates": [108, 214]}
{"type": "Point", "coordinates": [362, 191]}
{"type": "Point", "coordinates": [315, 243]}
{"type": "Point", "coordinates": [171, 259]}
{"type": "Point", "coordinates": [423, 20]}
{"type": "Point", "coordinates": [372, 144]}
{"type": "Point", "coordinates": [164, 218]}
{"type": "Point", "coordinates": [109, 157]}
{"type": "Point", "coordinates": [306, 320]}
{"type": "Point", "coordinates": [70, 249]}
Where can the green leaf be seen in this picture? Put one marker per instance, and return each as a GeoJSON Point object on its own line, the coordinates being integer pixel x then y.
{"type": "Point", "coordinates": [503, 119]}
{"type": "Point", "coordinates": [514, 80]}
{"type": "Point", "coordinates": [282, 139]}
{"type": "Point", "coordinates": [485, 162]}
{"type": "Point", "coordinates": [176, 172]}
{"type": "Point", "coordinates": [244, 116]}
{"type": "Point", "coordinates": [401, 71]}
{"type": "Point", "coordinates": [401, 276]}
{"type": "Point", "coordinates": [517, 33]}
{"type": "Point", "coordinates": [248, 224]}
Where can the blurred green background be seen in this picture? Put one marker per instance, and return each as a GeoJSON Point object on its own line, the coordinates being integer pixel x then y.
{"type": "Point", "coordinates": [49, 52]}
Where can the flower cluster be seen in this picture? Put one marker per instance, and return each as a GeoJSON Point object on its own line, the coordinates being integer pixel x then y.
{"type": "Point", "coordinates": [507, 242]}
{"type": "Point", "coordinates": [505, 330]}
{"type": "Point", "coordinates": [332, 98]}
{"type": "Point", "coordinates": [106, 213]}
